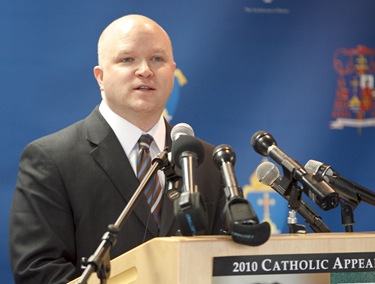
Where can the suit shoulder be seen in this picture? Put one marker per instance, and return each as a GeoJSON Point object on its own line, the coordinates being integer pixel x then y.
{"type": "Point", "coordinates": [69, 135]}
{"type": "Point", "coordinates": [208, 147]}
{"type": "Point", "coordinates": [61, 137]}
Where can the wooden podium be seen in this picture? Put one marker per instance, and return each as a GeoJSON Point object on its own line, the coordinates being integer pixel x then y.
{"type": "Point", "coordinates": [190, 259]}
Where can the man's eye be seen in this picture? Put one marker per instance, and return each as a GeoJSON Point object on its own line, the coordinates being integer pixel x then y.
{"type": "Point", "coordinates": [128, 59]}
{"type": "Point", "coordinates": [157, 59]}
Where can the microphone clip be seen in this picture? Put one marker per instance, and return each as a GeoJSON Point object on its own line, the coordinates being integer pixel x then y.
{"type": "Point", "coordinates": [190, 213]}
{"type": "Point", "coordinates": [243, 223]}
{"type": "Point", "coordinates": [173, 178]}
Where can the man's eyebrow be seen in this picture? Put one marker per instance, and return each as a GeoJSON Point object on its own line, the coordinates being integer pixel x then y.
{"type": "Point", "coordinates": [160, 51]}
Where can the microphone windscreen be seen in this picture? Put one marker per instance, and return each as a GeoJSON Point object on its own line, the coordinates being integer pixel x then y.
{"type": "Point", "coordinates": [187, 144]}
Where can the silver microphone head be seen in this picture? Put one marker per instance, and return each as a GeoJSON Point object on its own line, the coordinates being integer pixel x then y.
{"type": "Point", "coordinates": [181, 129]}
{"type": "Point", "coordinates": [319, 169]}
{"type": "Point", "coordinates": [267, 173]}
{"type": "Point", "coordinates": [313, 166]}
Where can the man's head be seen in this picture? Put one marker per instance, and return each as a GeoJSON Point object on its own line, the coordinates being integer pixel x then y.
{"type": "Point", "coordinates": [136, 69]}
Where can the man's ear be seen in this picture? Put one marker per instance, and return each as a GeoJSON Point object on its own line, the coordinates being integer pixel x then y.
{"type": "Point", "coordinates": [98, 73]}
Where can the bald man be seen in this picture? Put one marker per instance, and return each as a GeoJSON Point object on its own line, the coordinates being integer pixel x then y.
{"type": "Point", "coordinates": [73, 183]}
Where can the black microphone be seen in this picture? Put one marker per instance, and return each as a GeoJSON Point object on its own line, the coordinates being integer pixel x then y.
{"type": "Point", "coordinates": [187, 154]}
{"type": "Point", "coordinates": [319, 192]}
{"type": "Point", "coordinates": [347, 190]}
{"type": "Point", "coordinates": [225, 159]}
{"type": "Point", "coordinates": [268, 174]}
{"type": "Point", "coordinates": [173, 173]}
{"type": "Point", "coordinates": [241, 218]}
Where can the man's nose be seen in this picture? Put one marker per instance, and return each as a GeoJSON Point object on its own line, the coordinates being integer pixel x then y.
{"type": "Point", "coordinates": [144, 69]}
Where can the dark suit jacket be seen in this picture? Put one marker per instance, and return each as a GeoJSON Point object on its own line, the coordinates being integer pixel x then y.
{"type": "Point", "coordinates": [71, 185]}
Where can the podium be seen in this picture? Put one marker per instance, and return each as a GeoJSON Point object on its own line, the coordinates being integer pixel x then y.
{"type": "Point", "coordinates": [190, 259]}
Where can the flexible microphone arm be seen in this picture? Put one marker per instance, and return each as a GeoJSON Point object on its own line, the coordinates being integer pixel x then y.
{"type": "Point", "coordinates": [100, 260]}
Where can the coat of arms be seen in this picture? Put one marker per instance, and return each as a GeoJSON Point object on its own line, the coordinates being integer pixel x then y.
{"type": "Point", "coordinates": [354, 104]}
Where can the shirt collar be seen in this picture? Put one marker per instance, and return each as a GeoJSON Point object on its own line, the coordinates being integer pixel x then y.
{"type": "Point", "coordinates": [128, 134]}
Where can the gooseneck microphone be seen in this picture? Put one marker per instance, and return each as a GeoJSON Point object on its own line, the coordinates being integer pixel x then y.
{"type": "Point", "coordinates": [187, 154]}
{"type": "Point", "coordinates": [318, 191]}
{"type": "Point", "coordinates": [241, 219]}
{"type": "Point", "coordinates": [347, 190]}
{"type": "Point", "coordinates": [268, 174]}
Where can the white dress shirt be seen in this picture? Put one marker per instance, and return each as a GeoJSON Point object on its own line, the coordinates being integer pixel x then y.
{"type": "Point", "coordinates": [128, 135]}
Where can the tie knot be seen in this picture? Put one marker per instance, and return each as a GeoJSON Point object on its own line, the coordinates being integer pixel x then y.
{"type": "Point", "coordinates": [145, 141]}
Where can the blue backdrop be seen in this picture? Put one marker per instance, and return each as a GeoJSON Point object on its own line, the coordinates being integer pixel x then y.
{"type": "Point", "coordinates": [244, 66]}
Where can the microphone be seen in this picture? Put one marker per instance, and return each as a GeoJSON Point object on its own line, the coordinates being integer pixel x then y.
{"type": "Point", "coordinates": [172, 172]}
{"type": "Point", "coordinates": [268, 174]}
{"type": "Point", "coordinates": [225, 158]}
{"type": "Point", "coordinates": [347, 190]}
{"type": "Point", "coordinates": [241, 219]}
{"type": "Point", "coordinates": [319, 192]}
{"type": "Point", "coordinates": [181, 129]}
{"type": "Point", "coordinates": [187, 154]}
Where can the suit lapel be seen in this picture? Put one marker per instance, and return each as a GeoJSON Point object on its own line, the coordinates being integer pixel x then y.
{"type": "Point", "coordinates": [110, 156]}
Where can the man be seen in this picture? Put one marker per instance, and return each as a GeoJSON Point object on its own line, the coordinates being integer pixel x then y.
{"type": "Point", "coordinates": [74, 183]}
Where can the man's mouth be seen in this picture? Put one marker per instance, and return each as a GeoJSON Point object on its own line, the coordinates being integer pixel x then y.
{"type": "Point", "coordinates": [144, 88]}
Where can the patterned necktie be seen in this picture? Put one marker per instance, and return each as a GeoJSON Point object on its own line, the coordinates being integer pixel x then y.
{"type": "Point", "coordinates": [152, 191]}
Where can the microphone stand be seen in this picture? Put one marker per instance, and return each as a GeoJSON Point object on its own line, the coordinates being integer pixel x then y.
{"type": "Point", "coordinates": [100, 260]}
{"type": "Point", "coordinates": [314, 221]}
{"type": "Point", "coordinates": [348, 203]}
{"type": "Point", "coordinates": [294, 201]}
{"type": "Point", "coordinates": [294, 204]}
{"type": "Point", "coordinates": [347, 216]}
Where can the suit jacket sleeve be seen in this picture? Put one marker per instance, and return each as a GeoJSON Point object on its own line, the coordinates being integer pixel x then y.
{"type": "Point", "coordinates": [40, 205]}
